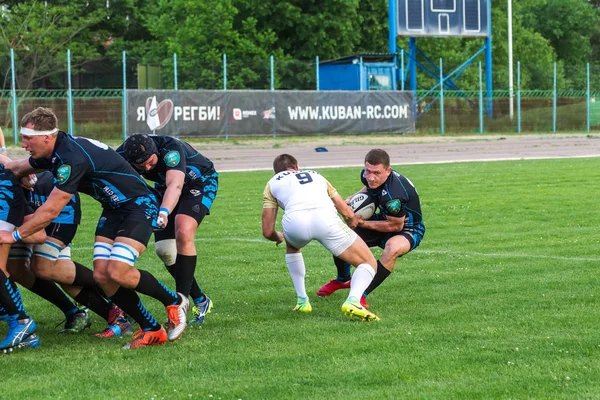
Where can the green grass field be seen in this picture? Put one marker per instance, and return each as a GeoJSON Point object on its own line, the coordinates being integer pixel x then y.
{"type": "Point", "coordinates": [499, 301]}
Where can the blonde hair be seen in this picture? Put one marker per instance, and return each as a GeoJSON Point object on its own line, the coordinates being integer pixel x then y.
{"type": "Point", "coordinates": [43, 119]}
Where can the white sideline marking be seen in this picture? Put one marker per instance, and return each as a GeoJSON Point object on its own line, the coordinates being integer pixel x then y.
{"type": "Point", "coordinates": [442, 252]}
{"type": "Point", "coordinates": [509, 158]}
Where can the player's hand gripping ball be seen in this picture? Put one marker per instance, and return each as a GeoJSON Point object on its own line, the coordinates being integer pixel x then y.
{"type": "Point", "coordinates": [363, 205]}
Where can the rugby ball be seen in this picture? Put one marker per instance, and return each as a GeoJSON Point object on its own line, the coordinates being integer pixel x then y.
{"type": "Point", "coordinates": [363, 205]}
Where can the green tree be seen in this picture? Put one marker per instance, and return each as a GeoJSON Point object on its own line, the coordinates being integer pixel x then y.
{"type": "Point", "coordinates": [571, 27]}
{"type": "Point", "coordinates": [200, 32]}
{"type": "Point", "coordinates": [40, 35]}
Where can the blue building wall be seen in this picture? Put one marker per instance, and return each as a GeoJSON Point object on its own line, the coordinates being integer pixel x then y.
{"type": "Point", "coordinates": [339, 76]}
{"type": "Point", "coordinates": [353, 73]}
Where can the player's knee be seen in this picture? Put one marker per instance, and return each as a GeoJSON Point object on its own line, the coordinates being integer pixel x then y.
{"type": "Point", "coordinates": [41, 269]}
{"type": "Point", "coordinates": [184, 236]}
{"type": "Point", "coordinates": [101, 275]}
{"type": "Point", "coordinates": [166, 250]}
{"type": "Point", "coordinates": [115, 272]}
{"type": "Point", "coordinates": [396, 248]}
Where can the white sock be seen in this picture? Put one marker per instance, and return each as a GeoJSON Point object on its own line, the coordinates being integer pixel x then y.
{"type": "Point", "coordinates": [295, 264]}
{"type": "Point", "coordinates": [361, 279]}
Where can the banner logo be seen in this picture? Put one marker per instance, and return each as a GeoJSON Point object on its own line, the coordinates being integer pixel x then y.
{"type": "Point", "coordinates": [237, 114]}
{"type": "Point", "coordinates": [269, 114]}
{"type": "Point", "coordinates": [158, 115]}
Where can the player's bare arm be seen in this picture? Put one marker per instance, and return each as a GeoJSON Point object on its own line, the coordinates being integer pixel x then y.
{"type": "Point", "coordinates": [352, 220]}
{"type": "Point", "coordinates": [41, 217]}
{"type": "Point", "coordinates": [269, 217]}
{"type": "Point", "coordinates": [37, 238]}
{"type": "Point", "coordinates": [390, 224]}
{"type": "Point", "coordinates": [21, 168]}
{"type": "Point", "coordinates": [174, 181]}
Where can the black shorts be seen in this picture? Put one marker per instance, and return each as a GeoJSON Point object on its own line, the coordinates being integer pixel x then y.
{"type": "Point", "coordinates": [134, 220]}
{"type": "Point", "coordinates": [195, 201]}
{"type": "Point", "coordinates": [12, 200]}
{"type": "Point", "coordinates": [63, 232]}
{"type": "Point", "coordinates": [379, 239]}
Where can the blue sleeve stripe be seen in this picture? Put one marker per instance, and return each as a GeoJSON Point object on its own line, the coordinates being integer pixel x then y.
{"type": "Point", "coordinates": [86, 153]}
{"type": "Point", "coordinates": [105, 246]}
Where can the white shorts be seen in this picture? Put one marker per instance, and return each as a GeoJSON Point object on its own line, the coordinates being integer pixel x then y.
{"type": "Point", "coordinates": [325, 226]}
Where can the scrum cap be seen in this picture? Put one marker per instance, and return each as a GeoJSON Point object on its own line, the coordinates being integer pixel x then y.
{"type": "Point", "coordinates": [138, 148]}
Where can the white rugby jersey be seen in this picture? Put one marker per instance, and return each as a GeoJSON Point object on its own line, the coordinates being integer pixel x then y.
{"type": "Point", "coordinates": [298, 190]}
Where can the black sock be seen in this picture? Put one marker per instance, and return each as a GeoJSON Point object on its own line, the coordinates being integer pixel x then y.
{"type": "Point", "coordinates": [84, 276]}
{"type": "Point", "coordinates": [92, 300]}
{"type": "Point", "coordinates": [50, 291]}
{"type": "Point", "coordinates": [184, 273]}
{"type": "Point", "coordinates": [150, 286]}
{"type": "Point", "coordinates": [343, 269]}
{"type": "Point", "coordinates": [129, 301]}
{"type": "Point", "coordinates": [10, 297]}
{"type": "Point", "coordinates": [380, 276]}
{"type": "Point", "coordinates": [196, 292]}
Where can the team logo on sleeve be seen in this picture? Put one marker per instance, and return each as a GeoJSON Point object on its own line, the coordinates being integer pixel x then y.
{"type": "Point", "coordinates": [63, 173]}
{"type": "Point", "coordinates": [172, 158]}
{"type": "Point", "coordinates": [393, 206]}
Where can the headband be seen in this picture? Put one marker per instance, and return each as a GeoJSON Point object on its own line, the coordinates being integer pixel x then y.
{"type": "Point", "coordinates": [33, 132]}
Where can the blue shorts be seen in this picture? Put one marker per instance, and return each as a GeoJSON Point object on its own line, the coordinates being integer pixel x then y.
{"type": "Point", "coordinates": [135, 220]}
{"type": "Point", "coordinates": [195, 201]}
{"type": "Point", "coordinates": [372, 238]}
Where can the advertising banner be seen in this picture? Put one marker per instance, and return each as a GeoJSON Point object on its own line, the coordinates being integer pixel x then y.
{"type": "Point", "coordinates": [188, 113]}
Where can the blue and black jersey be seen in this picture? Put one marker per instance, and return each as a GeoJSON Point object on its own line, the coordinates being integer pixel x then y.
{"type": "Point", "coordinates": [178, 155]}
{"type": "Point", "coordinates": [70, 214]}
{"type": "Point", "coordinates": [91, 167]}
{"type": "Point", "coordinates": [397, 197]}
{"type": "Point", "coordinates": [12, 202]}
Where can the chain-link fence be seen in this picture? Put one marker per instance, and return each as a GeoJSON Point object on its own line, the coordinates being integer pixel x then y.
{"type": "Point", "coordinates": [98, 101]}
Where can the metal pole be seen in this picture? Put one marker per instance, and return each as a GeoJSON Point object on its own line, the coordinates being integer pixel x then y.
{"type": "Point", "coordinates": [14, 95]}
{"type": "Point", "coordinates": [480, 100]}
{"type": "Point", "coordinates": [392, 27]}
{"type": "Point", "coordinates": [175, 71]}
{"type": "Point", "coordinates": [402, 66]}
{"type": "Point", "coordinates": [124, 95]}
{"type": "Point", "coordinates": [272, 73]}
{"type": "Point", "coordinates": [412, 63]}
{"type": "Point", "coordinates": [510, 60]}
{"type": "Point", "coordinates": [441, 96]}
{"type": "Point", "coordinates": [224, 71]}
{"type": "Point", "coordinates": [361, 74]}
{"type": "Point", "coordinates": [317, 71]}
{"type": "Point", "coordinates": [588, 95]}
{"type": "Point", "coordinates": [488, 65]}
{"type": "Point", "coordinates": [519, 96]}
{"type": "Point", "coordinates": [554, 103]}
{"type": "Point", "coordinates": [70, 94]}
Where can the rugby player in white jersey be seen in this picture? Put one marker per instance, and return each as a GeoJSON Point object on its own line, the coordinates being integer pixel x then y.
{"type": "Point", "coordinates": [310, 203]}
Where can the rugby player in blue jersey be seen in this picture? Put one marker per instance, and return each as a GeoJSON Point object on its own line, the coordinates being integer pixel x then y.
{"type": "Point", "coordinates": [51, 262]}
{"type": "Point", "coordinates": [21, 327]}
{"type": "Point", "coordinates": [187, 183]}
{"type": "Point", "coordinates": [398, 227]}
{"type": "Point", "coordinates": [125, 225]}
